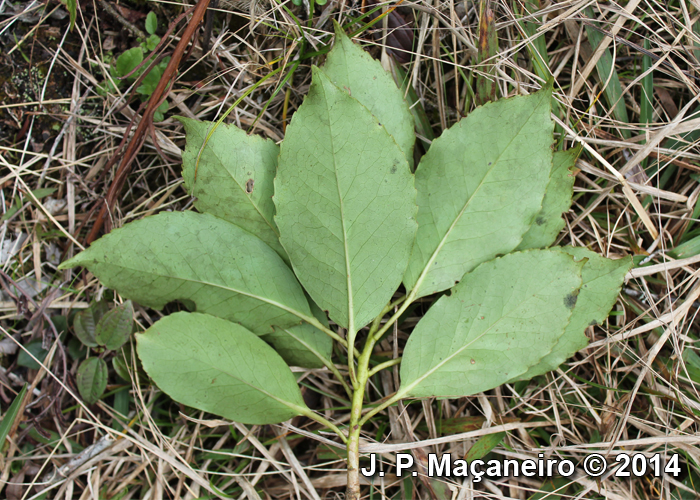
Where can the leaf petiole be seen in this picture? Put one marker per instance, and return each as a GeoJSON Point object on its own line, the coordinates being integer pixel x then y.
{"type": "Point", "coordinates": [318, 418]}
{"type": "Point", "coordinates": [384, 365]}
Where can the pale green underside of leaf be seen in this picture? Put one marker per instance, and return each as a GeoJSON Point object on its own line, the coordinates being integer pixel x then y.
{"type": "Point", "coordinates": [233, 163]}
{"type": "Point", "coordinates": [602, 279]}
{"type": "Point", "coordinates": [557, 200]}
{"type": "Point", "coordinates": [479, 188]}
{"type": "Point", "coordinates": [303, 345]}
{"type": "Point", "coordinates": [501, 319]}
{"type": "Point", "coordinates": [219, 367]}
{"type": "Point", "coordinates": [345, 205]}
{"type": "Point", "coordinates": [352, 69]}
{"type": "Point", "coordinates": [226, 271]}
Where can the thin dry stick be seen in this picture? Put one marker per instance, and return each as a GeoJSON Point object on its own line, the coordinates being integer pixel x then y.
{"type": "Point", "coordinates": [139, 135]}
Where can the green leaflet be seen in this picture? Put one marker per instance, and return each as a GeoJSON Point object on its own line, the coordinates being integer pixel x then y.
{"type": "Point", "coordinates": [345, 205]}
{"type": "Point", "coordinates": [557, 200]}
{"type": "Point", "coordinates": [601, 282]}
{"type": "Point", "coordinates": [303, 345]}
{"type": "Point", "coordinates": [226, 271]}
{"type": "Point", "coordinates": [234, 178]}
{"type": "Point", "coordinates": [497, 323]}
{"type": "Point", "coordinates": [479, 187]}
{"type": "Point", "coordinates": [355, 71]}
{"type": "Point", "coordinates": [219, 367]}
{"type": "Point", "coordinates": [91, 379]}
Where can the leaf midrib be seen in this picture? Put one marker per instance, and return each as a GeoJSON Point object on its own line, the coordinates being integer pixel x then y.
{"type": "Point", "coordinates": [444, 239]}
{"type": "Point", "coordinates": [296, 313]}
{"type": "Point", "coordinates": [288, 404]}
{"type": "Point", "coordinates": [242, 189]}
{"type": "Point", "coordinates": [403, 392]}
{"type": "Point", "coordinates": [348, 273]}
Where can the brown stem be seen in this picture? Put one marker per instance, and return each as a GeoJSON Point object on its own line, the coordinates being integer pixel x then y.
{"type": "Point", "coordinates": [139, 135]}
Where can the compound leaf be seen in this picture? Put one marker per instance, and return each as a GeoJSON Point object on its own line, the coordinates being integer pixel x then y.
{"type": "Point", "coordinates": [345, 205]}
{"type": "Point", "coordinates": [91, 379]}
{"type": "Point", "coordinates": [479, 187]}
{"type": "Point", "coordinates": [234, 178]}
{"type": "Point", "coordinates": [303, 345]}
{"type": "Point", "coordinates": [224, 270]}
{"type": "Point", "coordinates": [498, 322]}
{"type": "Point", "coordinates": [601, 282]}
{"type": "Point", "coordinates": [352, 69]}
{"type": "Point", "coordinates": [219, 367]}
{"type": "Point", "coordinates": [557, 200]}
{"type": "Point", "coordinates": [114, 328]}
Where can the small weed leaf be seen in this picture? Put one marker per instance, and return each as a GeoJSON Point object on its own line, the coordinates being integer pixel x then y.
{"type": "Point", "coordinates": [123, 363]}
{"type": "Point", "coordinates": [151, 23]}
{"type": "Point", "coordinates": [557, 200]}
{"type": "Point", "coordinates": [480, 186]}
{"type": "Point", "coordinates": [219, 367]}
{"type": "Point", "coordinates": [85, 323]}
{"type": "Point", "coordinates": [127, 61]}
{"type": "Point", "coordinates": [224, 270]}
{"type": "Point", "coordinates": [222, 179]}
{"type": "Point", "coordinates": [32, 350]}
{"type": "Point", "coordinates": [346, 212]}
{"type": "Point", "coordinates": [150, 81]}
{"type": "Point", "coordinates": [91, 379]}
{"type": "Point", "coordinates": [498, 322]}
{"type": "Point", "coordinates": [352, 69]}
{"type": "Point", "coordinates": [484, 445]}
{"type": "Point", "coordinates": [601, 282]}
{"type": "Point", "coordinates": [115, 327]}
{"type": "Point", "coordinates": [72, 6]}
{"type": "Point", "coordinates": [10, 415]}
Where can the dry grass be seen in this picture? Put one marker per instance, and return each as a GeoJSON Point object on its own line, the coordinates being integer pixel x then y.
{"type": "Point", "coordinates": [634, 389]}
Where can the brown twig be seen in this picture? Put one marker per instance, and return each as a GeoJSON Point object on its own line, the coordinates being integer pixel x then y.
{"type": "Point", "coordinates": [139, 136]}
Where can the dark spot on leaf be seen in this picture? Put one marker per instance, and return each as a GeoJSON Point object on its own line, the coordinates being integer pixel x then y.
{"type": "Point", "coordinates": [472, 361]}
{"type": "Point", "coordinates": [540, 220]}
{"type": "Point", "coordinates": [249, 186]}
{"type": "Point", "coordinates": [593, 323]}
{"type": "Point", "coordinates": [393, 169]}
{"type": "Point", "coordinates": [570, 300]}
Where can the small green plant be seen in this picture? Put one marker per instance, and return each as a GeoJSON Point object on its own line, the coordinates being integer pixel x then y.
{"type": "Point", "coordinates": [102, 330]}
{"type": "Point", "coordinates": [122, 70]}
{"type": "Point", "coordinates": [330, 226]}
